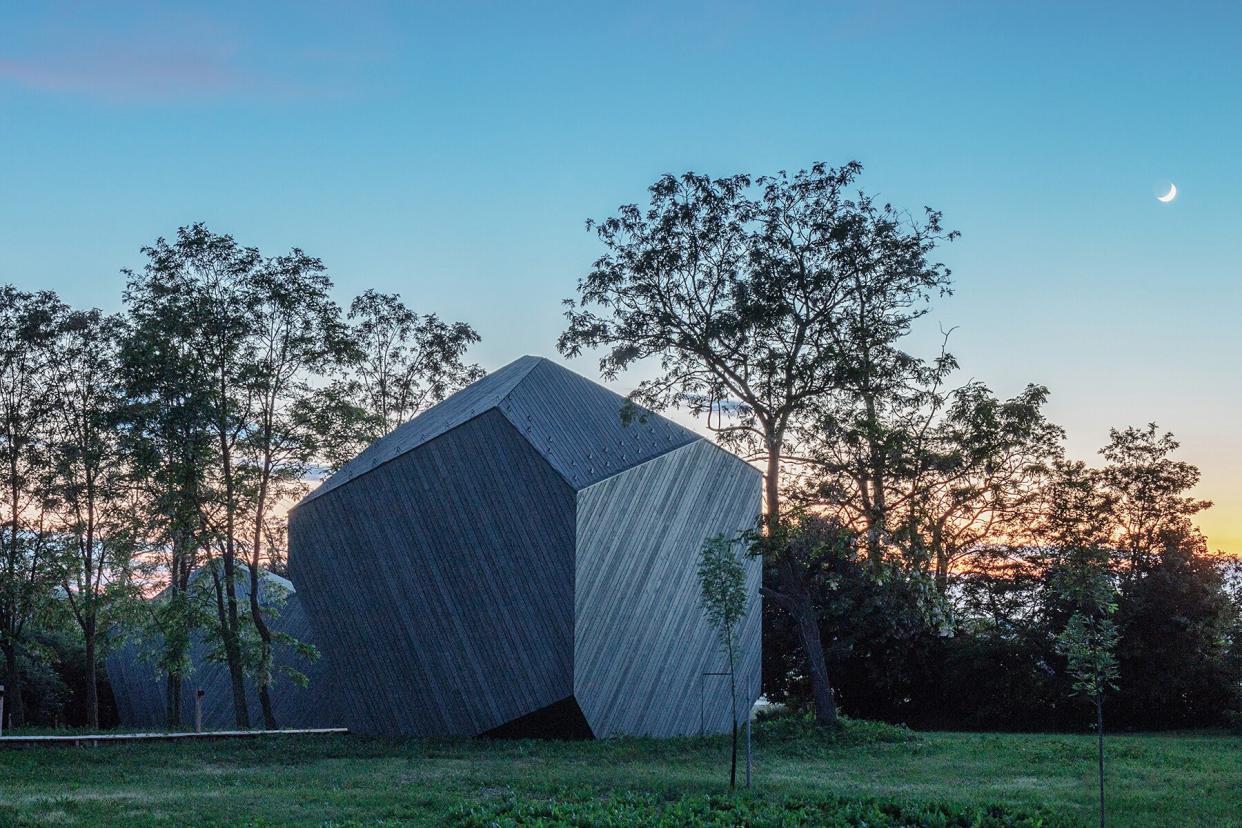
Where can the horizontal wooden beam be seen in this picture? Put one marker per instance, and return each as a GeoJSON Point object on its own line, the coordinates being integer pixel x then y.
{"type": "Point", "coordinates": [92, 738]}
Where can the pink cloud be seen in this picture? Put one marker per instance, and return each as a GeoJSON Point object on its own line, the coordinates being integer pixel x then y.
{"type": "Point", "coordinates": [128, 74]}
{"type": "Point", "coordinates": [153, 52]}
{"type": "Point", "coordinates": [137, 53]}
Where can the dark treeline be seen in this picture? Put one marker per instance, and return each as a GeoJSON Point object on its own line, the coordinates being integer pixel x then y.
{"type": "Point", "coordinates": [976, 646]}
{"type": "Point", "coordinates": [932, 556]}
{"type": "Point", "coordinates": [156, 451]}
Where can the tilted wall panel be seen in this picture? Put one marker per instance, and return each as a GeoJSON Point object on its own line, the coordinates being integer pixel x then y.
{"type": "Point", "coordinates": [441, 584]}
{"type": "Point", "coordinates": [641, 643]}
{"type": "Point", "coordinates": [139, 689]}
{"type": "Point", "coordinates": [464, 405]}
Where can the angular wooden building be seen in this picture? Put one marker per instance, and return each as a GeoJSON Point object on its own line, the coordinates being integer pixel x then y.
{"type": "Point", "coordinates": [139, 688]}
{"type": "Point", "coordinates": [522, 560]}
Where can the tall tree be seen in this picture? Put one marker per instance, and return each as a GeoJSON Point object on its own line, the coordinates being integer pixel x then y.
{"type": "Point", "coordinates": [1174, 614]}
{"type": "Point", "coordinates": [164, 431]}
{"type": "Point", "coordinates": [1150, 494]}
{"type": "Point", "coordinates": [404, 362]}
{"type": "Point", "coordinates": [192, 303]}
{"type": "Point", "coordinates": [296, 334]}
{"type": "Point", "coordinates": [90, 483]}
{"type": "Point", "coordinates": [758, 299]}
{"type": "Point", "coordinates": [28, 324]}
{"type": "Point", "coordinates": [988, 462]}
{"type": "Point", "coordinates": [929, 476]}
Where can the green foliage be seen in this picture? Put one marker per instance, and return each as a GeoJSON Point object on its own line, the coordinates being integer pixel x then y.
{"type": "Point", "coordinates": [877, 620]}
{"type": "Point", "coordinates": [1088, 643]}
{"type": "Point", "coordinates": [28, 326]}
{"type": "Point", "coordinates": [1080, 576]}
{"type": "Point", "coordinates": [745, 287]}
{"type": "Point", "coordinates": [1114, 541]}
{"type": "Point", "coordinates": [399, 362]}
{"type": "Point", "coordinates": [797, 730]}
{"type": "Point", "coordinates": [574, 809]}
{"type": "Point", "coordinates": [722, 584]}
{"type": "Point", "coordinates": [259, 661]}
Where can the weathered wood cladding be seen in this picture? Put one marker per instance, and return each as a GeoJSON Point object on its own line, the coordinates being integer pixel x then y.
{"type": "Point", "coordinates": [518, 555]}
{"type": "Point", "coordinates": [139, 689]}
{"type": "Point", "coordinates": [577, 425]}
{"type": "Point", "coordinates": [441, 584]}
{"type": "Point", "coordinates": [641, 643]}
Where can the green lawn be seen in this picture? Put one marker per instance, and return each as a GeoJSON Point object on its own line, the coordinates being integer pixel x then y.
{"type": "Point", "coordinates": [1155, 780]}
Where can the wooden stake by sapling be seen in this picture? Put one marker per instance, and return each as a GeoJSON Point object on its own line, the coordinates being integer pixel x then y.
{"type": "Point", "coordinates": [198, 711]}
{"type": "Point", "coordinates": [749, 712]}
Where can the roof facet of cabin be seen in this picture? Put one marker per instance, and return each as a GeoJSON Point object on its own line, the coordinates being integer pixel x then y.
{"type": "Point", "coordinates": [573, 423]}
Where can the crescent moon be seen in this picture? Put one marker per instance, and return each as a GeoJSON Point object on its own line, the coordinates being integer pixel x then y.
{"type": "Point", "coordinates": [1170, 195]}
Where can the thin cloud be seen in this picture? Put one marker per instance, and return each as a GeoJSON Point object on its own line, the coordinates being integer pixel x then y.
{"type": "Point", "coordinates": [156, 53]}
{"type": "Point", "coordinates": [129, 74]}
{"type": "Point", "coordinates": [138, 54]}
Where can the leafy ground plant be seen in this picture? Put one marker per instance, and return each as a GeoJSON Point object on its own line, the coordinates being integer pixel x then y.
{"type": "Point", "coordinates": [623, 809]}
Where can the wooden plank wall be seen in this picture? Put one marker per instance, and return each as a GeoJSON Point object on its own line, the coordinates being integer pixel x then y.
{"type": "Point", "coordinates": [440, 584]}
{"type": "Point", "coordinates": [574, 423]}
{"type": "Point", "coordinates": [641, 643]}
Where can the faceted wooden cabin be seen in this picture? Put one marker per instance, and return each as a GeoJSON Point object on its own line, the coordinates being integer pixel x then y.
{"type": "Point", "coordinates": [521, 560]}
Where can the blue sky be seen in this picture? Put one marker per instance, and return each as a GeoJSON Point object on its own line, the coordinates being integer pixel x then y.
{"type": "Point", "coordinates": [451, 153]}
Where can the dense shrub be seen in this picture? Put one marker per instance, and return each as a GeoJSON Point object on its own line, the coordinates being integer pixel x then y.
{"type": "Point", "coordinates": [797, 727]}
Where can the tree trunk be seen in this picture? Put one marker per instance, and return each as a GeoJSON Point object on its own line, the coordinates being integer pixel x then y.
{"type": "Point", "coordinates": [92, 682]}
{"type": "Point", "coordinates": [1099, 731]}
{"type": "Point", "coordinates": [877, 514]}
{"type": "Point", "coordinates": [176, 636]}
{"type": "Point", "coordinates": [772, 486]}
{"type": "Point", "coordinates": [733, 717]}
{"type": "Point", "coordinates": [230, 625]}
{"type": "Point", "coordinates": [232, 651]}
{"type": "Point", "coordinates": [265, 702]}
{"type": "Point", "coordinates": [817, 665]}
{"type": "Point", "coordinates": [12, 688]}
{"type": "Point", "coordinates": [226, 608]}
{"type": "Point", "coordinates": [265, 643]}
{"type": "Point", "coordinates": [799, 604]}
{"type": "Point", "coordinates": [172, 701]}
{"type": "Point", "coordinates": [942, 559]}
{"type": "Point", "coordinates": [942, 571]}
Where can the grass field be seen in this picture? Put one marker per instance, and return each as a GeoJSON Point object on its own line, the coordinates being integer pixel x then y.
{"type": "Point", "coordinates": [1155, 780]}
